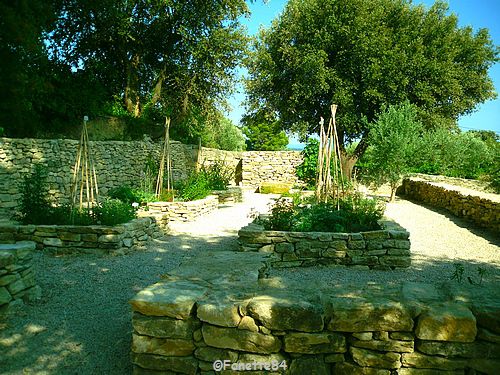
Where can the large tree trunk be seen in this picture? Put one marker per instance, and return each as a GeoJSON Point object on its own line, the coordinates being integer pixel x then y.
{"type": "Point", "coordinates": [347, 161]}
{"type": "Point", "coordinates": [132, 99]}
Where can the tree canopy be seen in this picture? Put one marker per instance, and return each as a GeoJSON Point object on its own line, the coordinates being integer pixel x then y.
{"type": "Point", "coordinates": [264, 132]}
{"type": "Point", "coordinates": [150, 57]}
{"type": "Point", "coordinates": [362, 55]}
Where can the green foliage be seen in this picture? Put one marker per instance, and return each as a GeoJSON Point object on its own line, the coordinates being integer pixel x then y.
{"type": "Point", "coordinates": [364, 54]}
{"type": "Point", "coordinates": [355, 214]}
{"type": "Point", "coordinates": [113, 212]}
{"type": "Point", "coordinates": [218, 175]}
{"type": "Point", "coordinates": [35, 207]}
{"type": "Point", "coordinates": [306, 171]}
{"type": "Point", "coordinates": [128, 195]}
{"type": "Point", "coordinates": [222, 134]}
{"type": "Point", "coordinates": [459, 271]}
{"type": "Point", "coordinates": [264, 132]}
{"type": "Point", "coordinates": [195, 187]}
{"type": "Point", "coordinates": [393, 139]}
{"type": "Point", "coordinates": [454, 154]}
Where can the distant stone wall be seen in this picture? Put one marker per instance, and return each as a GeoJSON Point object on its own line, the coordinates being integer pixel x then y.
{"type": "Point", "coordinates": [381, 249]}
{"type": "Point", "coordinates": [184, 326]}
{"type": "Point", "coordinates": [267, 166]}
{"type": "Point", "coordinates": [92, 239]}
{"type": "Point", "coordinates": [481, 211]}
{"type": "Point", "coordinates": [17, 278]}
{"type": "Point", "coordinates": [122, 163]}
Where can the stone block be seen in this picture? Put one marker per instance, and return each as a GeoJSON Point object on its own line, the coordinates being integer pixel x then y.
{"type": "Point", "coordinates": [356, 316]}
{"type": "Point", "coordinates": [220, 313]}
{"type": "Point", "coordinates": [368, 358]}
{"type": "Point", "coordinates": [487, 335]}
{"type": "Point", "coordinates": [68, 236]}
{"type": "Point", "coordinates": [280, 313]}
{"type": "Point", "coordinates": [52, 242]}
{"type": "Point", "coordinates": [162, 346]}
{"type": "Point", "coordinates": [173, 299]}
{"type": "Point", "coordinates": [164, 327]}
{"type": "Point", "coordinates": [5, 296]}
{"type": "Point", "coordinates": [419, 360]}
{"type": "Point", "coordinates": [7, 279]}
{"type": "Point", "coordinates": [395, 261]}
{"type": "Point", "coordinates": [183, 365]}
{"type": "Point", "coordinates": [248, 323]}
{"type": "Point", "coordinates": [475, 349]}
{"type": "Point", "coordinates": [385, 346]}
{"type": "Point", "coordinates": [284, 247]}
{"type": "Point", "coordinates": [314, 343]}
{"type": "Point", "coordinates": [238, 339]}
{"type": "Point", "coordinates": [363, 336]}
{"type": "Point", "coordinates": [209, 354]}
{"type": "Point", "coordinates": [356, 245]}
{"type": "Point", "coordinates": [451, 322]}
{"type": "Point", "coordinates": [309, 365]}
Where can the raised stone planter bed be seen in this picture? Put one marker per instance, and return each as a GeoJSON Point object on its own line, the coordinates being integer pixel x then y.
{"type": "Point", "coordinates": [17, 278]}
{"type": "Point", "coordinates": [480, 208]}
{"type": "Point", "coordinates": [187, 322]}
{"type": "Point", "coordinates": [388, 248]}
{"type": "Point", "coordinates": [233, 194]}
{"type": "Point", "coordinates": [184, 211]}
{"type": "Point", "coordinates": [92, 239]}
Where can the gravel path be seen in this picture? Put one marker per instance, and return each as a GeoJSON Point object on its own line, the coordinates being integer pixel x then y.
{"type": "Point", "coordinates": [82, 323]}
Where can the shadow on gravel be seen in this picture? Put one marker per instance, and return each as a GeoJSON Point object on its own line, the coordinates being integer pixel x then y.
{"type": "Point", "coordinates": [485, 233]}
{"type": "Point", "coordinates": [82, 324]}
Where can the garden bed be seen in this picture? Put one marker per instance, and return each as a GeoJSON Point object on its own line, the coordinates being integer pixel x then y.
{"type": "Point", "coordinates": [184, 211]}
{"type": "Point", "coordinates": [93, 239]}
{"type": "Point", "coordinates": [384, 249]}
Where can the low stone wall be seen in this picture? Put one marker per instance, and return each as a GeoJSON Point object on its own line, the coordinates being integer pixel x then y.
{"type": "Point", "coordinates": [188, 324]}
{"type": "Point", "coordinates": [382, 249]}
{"type": "Point", "coordinates": [184, 211]}
{"type": "Point", "coordinates": [266, 166]}
{"type": "Point", "coordinates": [475, 208]}
{"type": "Point", "coordinates": [233, 194]}
{"type": "Point", "coordinates": [17, 278]}
{"type": "Point", "coordinates": [92, 239]}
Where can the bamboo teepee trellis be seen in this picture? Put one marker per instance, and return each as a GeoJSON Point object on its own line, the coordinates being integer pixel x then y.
{"type": "Point", "coordinates": [84, 175]}
{"type": "Point", "coordinates": [165, 159]}
{"type": "Point", "coordinates": [327, 184]}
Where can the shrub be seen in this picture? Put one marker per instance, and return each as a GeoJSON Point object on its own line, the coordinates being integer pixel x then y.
{"type": "Point", "coordinates": [218, 175]}
{"type": "Point", "coordinates": [128, 195]}
{"type": "Point", "coordinates": [113, 212]}
{"type": "Point", "coordinates": [355, 214]}
{"type": "Point", "coordinates": [35, 207]}
{"type": "Point", "coordinates": [195, 187]}
{"type": "Point", "coordinates": [306, 171]}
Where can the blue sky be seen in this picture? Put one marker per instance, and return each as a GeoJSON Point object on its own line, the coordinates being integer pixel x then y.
{"type": "Point", "coordinates": [478, 14]}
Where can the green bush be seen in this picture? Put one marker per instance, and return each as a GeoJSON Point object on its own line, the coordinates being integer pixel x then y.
{"type": "Point", "coordinates": [306, 171]}
{"type": "Point", "coordinates": [113, 212]}
{"type": "Point", "coordinates": [355, 214]}
{"type": "Point", "coordinates": [35, 207]}
{"type": "Point", "coordinates": [195, 187]}
{"type": "Point", "coordinates": [218, 175]}
{"type": "Point", "coordinates": [128, 195]}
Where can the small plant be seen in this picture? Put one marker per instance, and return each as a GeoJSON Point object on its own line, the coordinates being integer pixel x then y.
{"type": "Point", "coordinates": [195, 187]}
{"type": "Point", "coordinates": [218, 175]}
{"type": "Point", "coordinates": [113, 212]}
{"type": "Point", "coordinates": [355, 214]}
{"type": "Point", "coordinates": [458, 273]}
{"type": "Point", "coordinates": [481, 273]}
{"type": "Point", "coordinates": [35, 207]}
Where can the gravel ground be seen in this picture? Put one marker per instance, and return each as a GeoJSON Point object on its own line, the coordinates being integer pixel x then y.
{"type": "Point", "coordinates": [438, 241]}
{"type": "Point", "coordinates": [82, 324]}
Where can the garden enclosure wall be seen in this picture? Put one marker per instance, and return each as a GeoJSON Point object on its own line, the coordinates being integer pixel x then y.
{"type": "Point", "coordinates": [120, 163]}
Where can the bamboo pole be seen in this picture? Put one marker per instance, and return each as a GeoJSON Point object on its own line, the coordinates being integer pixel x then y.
{"type": "Point", "coordinates": [165, 159]}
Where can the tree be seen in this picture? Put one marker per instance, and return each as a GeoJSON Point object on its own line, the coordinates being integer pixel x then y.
{"type": "Point", "coordinates": [393, 142]}
{"type": "Point", "coordinates": [222, 134]}
{"type": "Point", "coordinates": [362, 55]}
{"type": "Point", "coordinates": [264, 132]}
{"type": "Point", "coordinates": [174, 58]}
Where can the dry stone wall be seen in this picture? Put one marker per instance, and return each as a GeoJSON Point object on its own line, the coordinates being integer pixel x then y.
{"type": "Point", "coordinates": [17, 278]}
{"type": "Point", "coordinates": [92, 239]}
{"type": "Point", "coordinates": [267, 166]}
{"type": "Point", "coordinates": [183, 211]}
{"type": "Point", "coordinates": [475, 208]}
{"type": "Point", "coordinates": [123, 163]}
{"type": "Point", "coordinates": [382, 249]}
{"type": "Point", "coordinates": [195, 320]}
